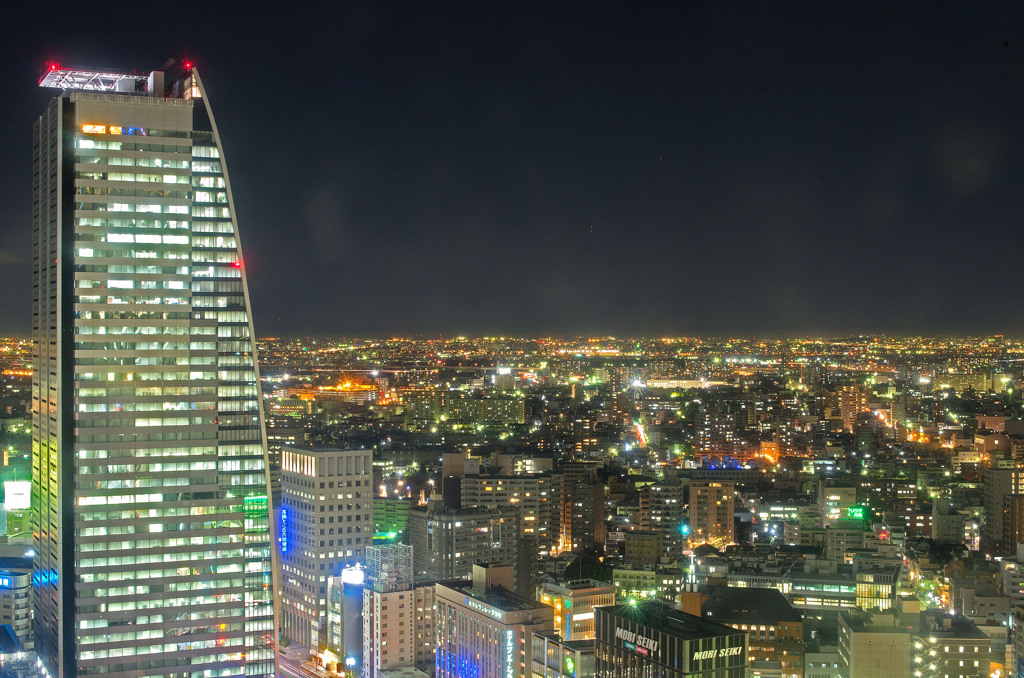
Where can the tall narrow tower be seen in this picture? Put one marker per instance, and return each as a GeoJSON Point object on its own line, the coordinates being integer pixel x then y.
{"type": "Point", "coordinates": [152, 532]}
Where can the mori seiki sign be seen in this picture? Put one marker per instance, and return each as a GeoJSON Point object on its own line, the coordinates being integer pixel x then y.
{"type": "Point", "coordinates": [718, 654]}
{"type": "Point", "coordinates": [636, 642]}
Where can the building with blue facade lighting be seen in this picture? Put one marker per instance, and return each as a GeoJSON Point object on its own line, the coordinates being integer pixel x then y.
{"type": "Point", "coordinates": [484, 630]}
{"type": "Point", "coordinates": [326, 523]}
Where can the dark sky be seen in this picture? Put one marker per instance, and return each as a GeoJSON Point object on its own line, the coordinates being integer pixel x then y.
{"type": "Point", "coordinates": [579, 167]}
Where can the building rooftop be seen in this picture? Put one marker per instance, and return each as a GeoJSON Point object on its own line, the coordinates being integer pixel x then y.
{"type": "Point", "coordinates": [661, 616]}
{"type": "Point", "coordinates": [95, 80]}
{"type": "Point", "coordinates": [944, 625]}
{"type": "Point", "coordinates": [872, 623]}
{"type": "Point", "coordinates": [749, 605]}
{"type": "Point", "coordinates": [405, 672]}
{"type": "Point", "coordinates": [12, 564]}
{"type": "Point", "coordinates": [577, 645]}
{"type": "Point", "coordinates": [450, 512]}
{"type": "Point", "coordinates": [500, 598]}
{"type": "Point", "coordinates": [579, 584]}
{"type": "Point", "coordinates": [321, 449]}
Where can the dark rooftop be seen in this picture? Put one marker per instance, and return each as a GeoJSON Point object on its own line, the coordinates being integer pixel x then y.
{"type": "Point", "coordinates": [14, 564]}
{"type": "Point", "coordinates": [665, 618]}
{"type": "Point", "coordinates": [9, 643]}
{"type": "Point", "coordinates": [944, 625]}
{"type": "Point", "coordinates": [748, 605]}
{"type": "Point", "coordinates": [498, 597]}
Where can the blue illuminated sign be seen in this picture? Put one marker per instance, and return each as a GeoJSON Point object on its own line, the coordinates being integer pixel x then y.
{"type": "Point", "coordinates": [5, 582]}
{"type": "Point", "coordinates": [284, 530]}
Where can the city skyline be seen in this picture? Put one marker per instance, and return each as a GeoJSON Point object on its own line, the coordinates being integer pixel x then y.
{"type": "Point", "coordinates": [585, 340]}
{"type": "Point", "coordinates": [765, 497]}
{"type": "Point", "coordinates": [653, 169]}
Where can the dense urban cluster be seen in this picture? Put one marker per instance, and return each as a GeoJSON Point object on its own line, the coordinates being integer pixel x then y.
{"type": "Point", "coordinates": [827, 507]}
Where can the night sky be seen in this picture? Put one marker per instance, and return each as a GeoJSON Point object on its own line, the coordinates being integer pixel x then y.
{"type": "Point", "coordinates": [573, 168]}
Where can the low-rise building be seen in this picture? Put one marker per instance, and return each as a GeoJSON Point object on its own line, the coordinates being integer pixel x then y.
{"type": "Point", "coordinates": [557, 658]}
{"type": "Point", "coordinates": [776, 629]}
{"type": "Point", "coordinates": [822, 662]}
{"type": "Point", "coordinates": [573, 603]}
{"type": "Point", "coordinates": [647, 583]}
{"type": "Point", "coordinates": [950, 646]}
{"type": "Point", "coordinates": [16, 598]}
{"type": "Point", "coordinates": [873, 645]}
{"type": "Point", "coordinates": [653, 639]}
{"type": "Point", "coordinates": [808, 584]}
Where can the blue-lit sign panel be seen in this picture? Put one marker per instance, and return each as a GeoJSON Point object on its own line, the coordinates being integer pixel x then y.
{"type": "Point", "coordinates": [284, 530]}
{"type": "Point", "coordinates": [5, 582]}
{"type": "Point", "coordinates": [112, 129]}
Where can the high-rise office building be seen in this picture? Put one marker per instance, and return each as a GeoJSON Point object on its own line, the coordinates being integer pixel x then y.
{"type": "Point", "coordinates": [326, 525]}
{"type": "Point", "coordinates": [448, 542]}
{"type": "Point", "coordinates": [152, 532]}
{"type": "Point", "coordinates": [1003, 492]}
{"type": "Point", "coordinates": [533, 494]}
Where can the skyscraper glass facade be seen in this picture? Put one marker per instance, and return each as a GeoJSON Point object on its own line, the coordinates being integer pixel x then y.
{"type": "Point", "coordinates": [149, 472]}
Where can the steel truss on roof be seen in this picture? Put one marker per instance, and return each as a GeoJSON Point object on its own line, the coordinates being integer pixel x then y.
{"type": "Point", "coordinates": [96, 81]}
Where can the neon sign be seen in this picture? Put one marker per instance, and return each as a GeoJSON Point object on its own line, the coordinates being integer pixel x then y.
{"type": "Point", "coordinates": [497, 614]}
{"type": "Point", "coordinates": [5, 582]}
{"type": "Point", "coordinates": [638, 642]}
{"type": "Point", "coordinates": [284, 530]}
{"type": "Point", "coordinates": [509, 648]}
{"type": "Point", "coordinates": [855, 512]}
{"type": "Point", "coordinates": [718, 654]}
{"type": "Point", "coordinates": [112, 129]}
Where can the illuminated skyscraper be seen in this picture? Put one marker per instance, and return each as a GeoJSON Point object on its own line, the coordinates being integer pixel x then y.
{"type": "Point", "coordinates": [152, 531]}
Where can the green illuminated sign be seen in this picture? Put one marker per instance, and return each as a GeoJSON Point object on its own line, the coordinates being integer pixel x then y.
{"type": "Point", "coordinates": [570, 666]}
{"type": "Point", "coordinates": [568, 603]}
{"type": "Point", "coordinates": [855, 512]}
